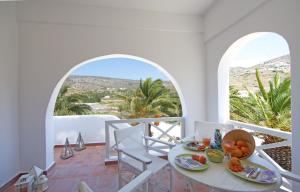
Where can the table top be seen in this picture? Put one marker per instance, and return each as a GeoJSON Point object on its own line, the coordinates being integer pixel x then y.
{"type": "Point", "coordinates": [218, 177]}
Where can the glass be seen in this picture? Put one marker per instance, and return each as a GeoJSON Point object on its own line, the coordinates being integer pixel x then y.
{"type": "Point", "coordinates": [203, 134]}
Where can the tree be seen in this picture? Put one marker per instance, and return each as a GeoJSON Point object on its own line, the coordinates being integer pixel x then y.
{"type": "Point", "coordinates": [69, 104]}
{"type": "Point", "coordinates": [150, 99]}
{"type": "Point", "coordinates": [270, 108]}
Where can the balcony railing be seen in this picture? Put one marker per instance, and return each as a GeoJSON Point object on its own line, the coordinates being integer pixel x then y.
{"type": "Point", "coordinates": [164, 128]}
{"type": "Point", "coordinates": [287, 141]}
{"type": "Point", "coordinates": [178, 124]}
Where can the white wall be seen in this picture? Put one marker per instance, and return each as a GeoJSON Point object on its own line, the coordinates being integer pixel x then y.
{"type": "Point", "coordinates": [91, 127]}
{"type": "Point", "coordinates": [55, 38]}
{"type": "Point", "coordinates": [277, 16]}
{"type": "Point", "coordinates": [9, 133]}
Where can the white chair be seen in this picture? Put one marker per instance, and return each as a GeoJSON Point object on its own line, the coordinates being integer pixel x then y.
{"type": "Point", "coordinates": [134, 185]}
{"type": "Point", "coordinates": [212, 126]}
{"type": "Point", "coordinates": [134, 153]}
{"type": "Point", "coordinates": [137, 183]}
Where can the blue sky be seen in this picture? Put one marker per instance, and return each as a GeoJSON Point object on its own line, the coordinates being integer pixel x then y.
{"type": "Point", "coordinates": [123, 68]}
{"type": "Point", "coordinates": [258, 48]}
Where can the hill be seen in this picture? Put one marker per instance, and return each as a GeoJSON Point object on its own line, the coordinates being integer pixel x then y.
{"type": "Point", "coordinates": [100, 84]}
{"type": "Point", "coordinates": [107, 88]}
{"type": "Point", "coordinates": [241, 77]}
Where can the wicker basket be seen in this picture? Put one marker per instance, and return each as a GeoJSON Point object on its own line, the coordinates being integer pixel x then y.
{"type": "Point", "coordinates": [239, 134]}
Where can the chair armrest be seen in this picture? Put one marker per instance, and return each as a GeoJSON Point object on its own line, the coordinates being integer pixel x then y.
{"type": "Point", "coordinates": [290, 176]}
{"type": "Point", "coordinates": [135, 156]}
{"type": "Point", "coordinates": [136, 182]}
{"type": "Point", "coordinates": [159, 141]}
{"type": "Point", "coordinates": [83, 187]}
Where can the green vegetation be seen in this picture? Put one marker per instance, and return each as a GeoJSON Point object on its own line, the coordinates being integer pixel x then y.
{"type": "Point", "coordinates": [91, 96]}
{"type": "Point", "coordinates": [270, 108]}
{"type": "Point", "coordinates": [70, 104]}
{"type": "Point", "coordinates": [149, 99]}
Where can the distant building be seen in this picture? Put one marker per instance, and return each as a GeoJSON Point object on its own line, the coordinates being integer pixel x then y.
{"type": "Point", "coordinates": [243, 93]}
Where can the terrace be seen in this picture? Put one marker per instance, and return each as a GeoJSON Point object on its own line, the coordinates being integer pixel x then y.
{"type": "Point", "coordinates": [44, 41]}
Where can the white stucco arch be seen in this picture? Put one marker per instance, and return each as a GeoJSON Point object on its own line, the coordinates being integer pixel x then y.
{"type": "Point", "coordinates": [50, 108]}
{"type": "Point", "coordinates": [223, 72]}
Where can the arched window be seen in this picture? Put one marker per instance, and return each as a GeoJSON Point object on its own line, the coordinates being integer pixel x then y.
{"type": "Point", "coordinates": [109, 88]}
{"type": "Point", "coordinates": [255, 85]}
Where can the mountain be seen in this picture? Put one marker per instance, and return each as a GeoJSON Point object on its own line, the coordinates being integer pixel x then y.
{"type": "Point", "coordinates": [97, 83]}
{"type": "Point", "coordinates": [241, 77]}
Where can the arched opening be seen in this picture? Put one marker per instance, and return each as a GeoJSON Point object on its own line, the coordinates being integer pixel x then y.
{"type": "Point", "coordinates": [254, 84]}
{"type": "Point", "coordinates": [50, 132]}
{"type": "Point", "coordinates": [266, 51]}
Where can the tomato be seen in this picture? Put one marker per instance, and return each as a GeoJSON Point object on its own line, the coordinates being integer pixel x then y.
{"type": "Point", "coordinates": [195, 157]}
{"type": "Point", "coordinates": [200, 158]}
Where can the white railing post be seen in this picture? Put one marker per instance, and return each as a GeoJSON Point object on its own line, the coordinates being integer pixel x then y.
{"type": "Point", "coordinates": [183, 128]}
{"type": "Point", "coordinates": [107, 141]}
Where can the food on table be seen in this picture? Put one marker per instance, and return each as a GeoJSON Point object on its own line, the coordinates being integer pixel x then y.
{"type": "Point", "coordinates": [206, 141]}
{"type": "Point", "coordinates": [236, 153]}
{"type": "Point", "coordinates": [235, 161]}
{"type": "Point", "coordinates": [215, 155]}
{"type": "Point", "coordinates": [201, 147]}
{"type": "Point", "coordinates": [245, 150]}
{"type": "Point", "coordinates": [241, 143]}
{"type": "Point", "coordinates": [238, 148]}
{"type": "Point", "coordinates": [200, 158]}
{"type": "Point", "coordinates": [194, 145]}
{"type": "Point", "coordinates": [235, 165]}
{"type": "Point", "coordinates": [228, 146]}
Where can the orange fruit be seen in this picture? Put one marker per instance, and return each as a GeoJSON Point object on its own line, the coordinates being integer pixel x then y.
{"type": "Point", "coordinates": [234, 161]}
{"type": "Point", "coordinates": [241, 143]}
{"type": "Point", "coordinates": [245, 150]}
{"type": "Point", "coordinates": [202, 159]}
{"type": "Point", "coordinates": [237, 153]}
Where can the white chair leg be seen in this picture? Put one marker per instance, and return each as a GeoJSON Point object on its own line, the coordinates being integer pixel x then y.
{"type": "Point", "coordinates": [189, 186]}
{"type": "Point", "coordinates": [147, 186]}
{"type": "Point", "coordinates": [119, 178]}
{"type": "Point", "coordinates": [171, 179]}
{"type": "Point", "coordinates": [119, 174]}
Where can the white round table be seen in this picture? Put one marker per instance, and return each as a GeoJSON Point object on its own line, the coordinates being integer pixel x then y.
{"type": "Point", "coordinates": [217, 177]}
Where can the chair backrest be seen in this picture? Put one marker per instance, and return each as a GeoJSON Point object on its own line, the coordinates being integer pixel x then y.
{"type": "Point", "coordinates": [212, 126]}
{"type": "Point", "coordinates": [137, 182]}
{"type": "Point", "coordinates": [131, 138]}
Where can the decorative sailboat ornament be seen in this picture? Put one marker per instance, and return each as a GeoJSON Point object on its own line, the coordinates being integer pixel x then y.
{"type": "Point", "coordinates": [79, 143]}
{"type": "Point", "coordinates": [67, 151]}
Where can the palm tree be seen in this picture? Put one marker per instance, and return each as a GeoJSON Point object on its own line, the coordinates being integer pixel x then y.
{"type": "Point", "coordinates": [270, 108]}
{"type": "Point", "coordinates": [69, 104]}
{"type": "Point", "coordinates": [241, 108]}
{"type": "Point", "coordinates": [151, 99]}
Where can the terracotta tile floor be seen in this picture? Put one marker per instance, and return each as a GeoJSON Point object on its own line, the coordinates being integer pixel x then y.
{"type": "Point", "coordinates": [88, 165]}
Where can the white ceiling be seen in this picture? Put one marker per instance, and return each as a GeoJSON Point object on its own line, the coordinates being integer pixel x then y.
{"type": "Point", "coordinates": [190, 7]}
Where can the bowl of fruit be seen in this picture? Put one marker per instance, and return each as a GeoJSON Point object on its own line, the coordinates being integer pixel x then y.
{"type": "Point", "coordinates": [214, 155]}
{"type": "Point", "coordinates": [238, 143]}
